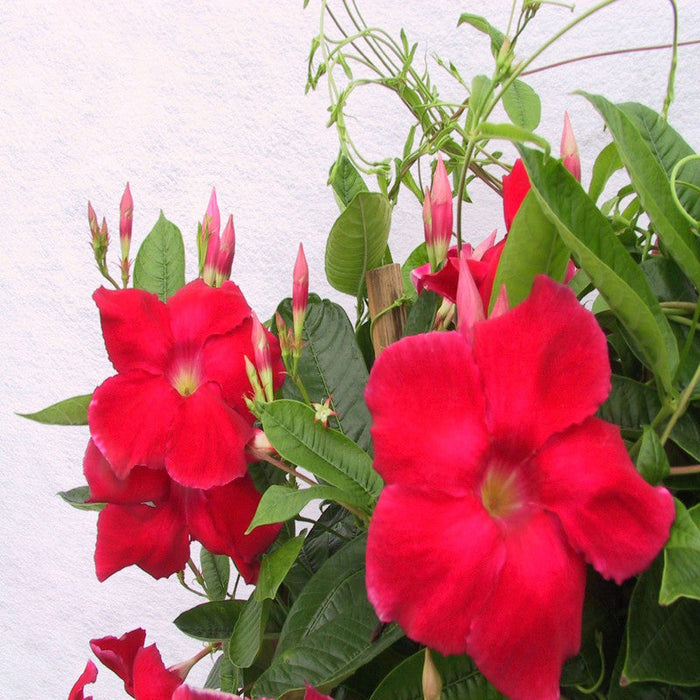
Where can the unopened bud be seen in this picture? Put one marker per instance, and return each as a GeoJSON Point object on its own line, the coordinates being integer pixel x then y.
{"type": "Point", "coordinates": [227, 249]}
{"type": "Point", "coordinates": [263, 359]}
{"type": "Point", "coordinates": [470, 308]}
{"type": "Point", "coordinates": [440, 216]}
{"type": "Point", "coordinates": [209, 239]}
{"type": "Point", "coordinates": [431, 680]}
{"type": "Point", "coordinates": [569, 149]}
{"type": "Point", "coordinates": [300, 293]}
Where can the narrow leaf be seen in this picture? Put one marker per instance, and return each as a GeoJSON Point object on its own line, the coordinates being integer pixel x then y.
{"type": "Point", "coordinates": [160, 263]}
{"type": "Point", "coordinates": [522, 105]}
{"type": "Point", "coordinates": [275, 566]}
{"type": "Point", "coordinates": [71, 411]}
{"type": "Point", "coordinates": [511, 132]}
{"type": "Point", "coordinates": [247, 634]}
{"type": "Point", "coordinates": [78, 498]}
{"type": "Point", "coordinates": [216, 570]}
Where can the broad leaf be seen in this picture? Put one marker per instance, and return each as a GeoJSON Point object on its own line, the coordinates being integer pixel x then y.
{"type": "Point", "coordinates": [326, 453]}
{"type": "Point", "coordinates": [71, 411]}
{"type": "Point", "coordinates": [160, 263]}
{"type": "Point", "coordinates": [652, 461]}
{"type": "Point", "coordinates": [357, 241]}
{"type": "Point", "coordinates": [651, 182]}
{"type": "Point", "coordinates": [522, 105]}
{"type": "Point", "coordinates": [79, 497]}
{"type": "Point", "coordinates": [332, 365]}
{"type": "Point", "coordinates": [275, 566]}
{"type": "Point", "coordinates": [213, 621]}
{"type": "Point", "coordinates": [681, 577]}
{"type": "Point", "coordinates": [345, 181]}
{"type": "Point", "coordinates": [216, 569]}
{"type": "Point", "coordinates": [247, 636]}
{"type": "Point", "coordinates": [600, 253]}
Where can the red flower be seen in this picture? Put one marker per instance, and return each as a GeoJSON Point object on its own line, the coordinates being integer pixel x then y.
{"type": "Point", "coordinates": [177, 400]}
{"type": "Point", "coordinates": [500, 486]}
{"type": "Point", "coordinates": [89, 675]}
{"type": "Point", "coordinates": [150, 519]}
{"type": "Point", "coordinates": [141, 668]}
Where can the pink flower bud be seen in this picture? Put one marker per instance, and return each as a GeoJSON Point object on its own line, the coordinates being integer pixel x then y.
{"type": "Point", "coordinates": [263, 360]}
{"type": "Point", "coordinates": [212, 218]}
{"type": "Point", "coordinates": [210, 239]}
{"type": "Point", "coordinates": [92, 220]}
{"type": "Point", "coordinates": [227, 249]}
{"type": "Point", "coordinates": [470, 308]}
{"type": "Point", "coordinates": [440, 215]}
{"type": "Point", "coordinates": [300, 292]}
{"type": "Point", "coordinates": [569, 149]}
{"type": "Point", "coordinates": [126, 212]}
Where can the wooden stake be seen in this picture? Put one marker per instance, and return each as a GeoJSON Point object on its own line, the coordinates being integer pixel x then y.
{"type": "Point", "coordinates": [384, 287]}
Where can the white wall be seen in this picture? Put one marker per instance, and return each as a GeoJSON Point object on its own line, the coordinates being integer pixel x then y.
{"type": "Point", "coordinates": [175, 98]}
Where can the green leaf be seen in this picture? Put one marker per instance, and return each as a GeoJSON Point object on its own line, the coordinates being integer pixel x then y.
{"type": "Point", "coordinates": [332, 365]}
{"type": "Point", "coordinates": [417, 258]}
{"type": "Point", "coordinates": [663, 643]}
{"type": "Point", "coordinates": [460, 677]}
{"type": "Point", "coordinates": [484, 27]}
{"type": "Point", "coordinates": [329, 631]}
{"type": "Point", "coordinates": [522, 105]}
{"type": "Point", "coordinates": [533, 247]}
{"type": "Point", "coordinates": [213, 621]}
{"type": "Point", "coordinates": [216, 569]}
{"type": "Point", "coordinates": [357, 241]}
{"type": "Point", "coordinates": [481, 89]}
{"type": "Point", "coordinates": [681, 576]}
{"type": "Point", "coordinates": [421, 317]}
{"type": "Point", "coordinates": [246, 639]}
{"type": "Point", "coordinates": [160, 263]}
{"type": "Point", "coordinates": [652, 461]}
{"type": "Point", "coordinates": [79, 497]}
{"type": "Point", "coordinates": [666, 279]}
{"type": "Point", "coordinates": [275, 566]}
{"type": "Point", "coordinates": [511, 132]}
{"type": "Point", "coordinates": [71, 411]}
{"type": "Point", "coordinates": [280, 503]}
{"type": "Point", "coordinates": [652, 184]}
{"type": "Point", "coordinates": [588, 234]}
{"type": "Point", "coordinates": [606, 164]}
{"type": "Point", "coordinates": [326, 453]}
{"type": "Point", "coordinates": [345, 181]}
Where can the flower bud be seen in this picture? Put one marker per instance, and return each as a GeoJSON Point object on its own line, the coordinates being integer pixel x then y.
{"type": "Point", "coordinates": [209, 239]}
{"type": "Point", "coordinates": [300, 293]}
{"type": "Point", "coordinates": [227, 248]}
{"type": "Point", "coordinates": [431, 681]}
{"type": "Point", "coordinates": [569, 149]}
{"type": "Point", "coordinates": [438, 241]}
{"type": "Point", "coordinates": [126, 212]}
{"type": "Point", "coordinates": [263, 360]}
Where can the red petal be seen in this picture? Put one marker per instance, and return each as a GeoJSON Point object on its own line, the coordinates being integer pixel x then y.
{"type": "Point", "coordinates": [89, 675]}
{"type": "Point", "coordinates": [443, 282]}
{"type": "Point", "coordinates": [153, 538]}
{"type": "Point", "coordinates": [118, 655]}
{"type": "Point", "coordinates": [544, 366]}
{"type": "Point", "coordinates": [431, 563]}
{"type": "Point", "coordinates": [207, 441]}
{"type": "Point", "coordinates": [218, 517]}
{"type": "Point", "coordinates": [424, 393]}
{"type": "Point", "coordinates": [516, 185]}
{"type": "Point", "coordinates": [610, 514]}
{"type": "Point", "coordinates": [313, 694]}
{"type": "Point", "coordinates": [136, 329]}
{"type": "Point", "coordinates": [198, 311]}
{"type": "Point", "coordinates": [141, 485]}
{"type": "Point", "coordinates": [152, 681]}
{"type": "Point", "coordinates": [129, 416]}
{"type": "Point", "coordinates": [531, 623]}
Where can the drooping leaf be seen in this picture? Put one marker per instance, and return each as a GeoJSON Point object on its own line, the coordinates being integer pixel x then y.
{"type": "Point", "coordinates": [332, 365]}
{"type": "Point", "coordinates": [606, 165]}
{"type": "Point", "coordinates": [246, 639]}
{"type": "Point", "coordinates": [212, 621]}
{"type": "Point", "coordinates": [522, 105]}
{"type": "Point", "coordinates": [588, 234]}
{"type": "Point", "coordinates": [357, 241]}
{"type": "Point", "coordinates": [216, 569]}
{"type": "Point", "coordinates": [533, 247]}
{"type": "Point", "coordinates": [160, 263]}
{"type": "Point", "coordinates": [681, 576]}
{"type": "Point", "coordinates": [78, 498]}
{"type": "Point", "coordinates": [275, 566]}
{"type": "Point", "coordinates": [71, 411]}
{"type": "Point", "coordinates": [326, 453]}
{"type": "Point", "coordinates": [651, 182]}
{"type": "Point", "coordinates": [485, 27]}
{"type": "Point", "coordinates": [345, 181]}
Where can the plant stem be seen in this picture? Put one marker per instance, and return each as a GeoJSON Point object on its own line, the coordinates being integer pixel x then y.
{"type": "Point", "coordinates": [683, 401]}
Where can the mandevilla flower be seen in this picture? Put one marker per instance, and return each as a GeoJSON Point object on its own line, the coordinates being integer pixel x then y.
{"type": "Point", "coordinates": [177, 401]}
{"type": "Point", "coordinates": [501, 485]}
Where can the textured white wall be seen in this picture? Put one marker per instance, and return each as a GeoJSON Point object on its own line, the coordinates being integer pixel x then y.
{"type": "Point", "coordinates": [175, 98]}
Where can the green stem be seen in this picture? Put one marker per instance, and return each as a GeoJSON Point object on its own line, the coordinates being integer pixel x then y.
{"type": "Point", "coordinates": [683, 401]}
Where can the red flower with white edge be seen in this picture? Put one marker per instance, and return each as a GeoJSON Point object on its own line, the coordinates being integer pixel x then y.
{"type": "Point", "coordinates": [500, 486]}
{"type": "Point", "coordinates": [177, 400]}
{"type": "Point", "coordinates": [150, 519]}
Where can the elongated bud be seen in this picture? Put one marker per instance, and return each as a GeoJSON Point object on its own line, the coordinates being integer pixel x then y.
{"type": "Point", "coordinates": [254, 380]}
{"type": "Point", "coordinates": [427, 219]}
{"type": "Point", "coordinates": [569, 149]}
{"type": "Point", "coordinates": [431, 680]}
{"type": "Point", "coordinates": [227, 249]}
{"type": "Point", "coordinates": [126, 213]}
{"type": "Point", "coordinates": [92, 220]}
{"type": "Point", "coordinates": [300, 293]}
{"type": "Point", "coordinates": [440, 216]}
{"type": "Point", "coordinates": [263, 360]}
{"type": "Point", "coordinates": [210, 239]}
{"type": "Point", "coordinates": [470, 308]}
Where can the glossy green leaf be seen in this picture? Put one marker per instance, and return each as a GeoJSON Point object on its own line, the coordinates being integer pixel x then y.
{"type": "Point", "coordinates": [78, 498]}
{"type": "Point", "coordinates": [484, 27]}
{"type": "Point", "coordinates": [275, 566]}
{"type": "Point", "coordinates": [651, 182]}
{"type": "Point", "coordinates": [246, 639]}
{"type": "Point", "coordinates": [533, 247]}
{"type": "Point", "coordinates": [606, 165]}
{"type": "Point", "coordinates": [681, 576]}
{"type": "Point", "coordinates": [663, 643]}
{"type": "Point", "coordinates": [332, 365]}
{"type": "Point", "coordinates": [326, 453]}
{"type": "Point", "coordinates": [597, 249]}
{"type": "Point", "coordinates": [160, 263]}
{"type": "Point", "coordinates": [330, 630]}
{"type": "Point", "coordinates": [460, 677]}
{"type": "Point", "coordinates": [345, 181]}
{"type": "Point", "coordinates": [280, 503]}
{"type": "Point", "coordinates": [421, 317]}
{"type": "Point", "coordinates": [357, 241]}
{"type": "Point", "coordinates": [216, 569]}
{"type": "Point", "coordinates": [212, 621]}
{"type": "Point", "coordinates": [71, 411]}
{"type": "Point", "coordinates": [652, 461]}
{"type": "Point", "coordinates": [522, 105]}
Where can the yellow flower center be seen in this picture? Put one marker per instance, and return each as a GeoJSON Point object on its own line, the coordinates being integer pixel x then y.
{"type": "Point", "coordinates": [502, 491]}
{"type": "Point", "coordinates": [186, 378]}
